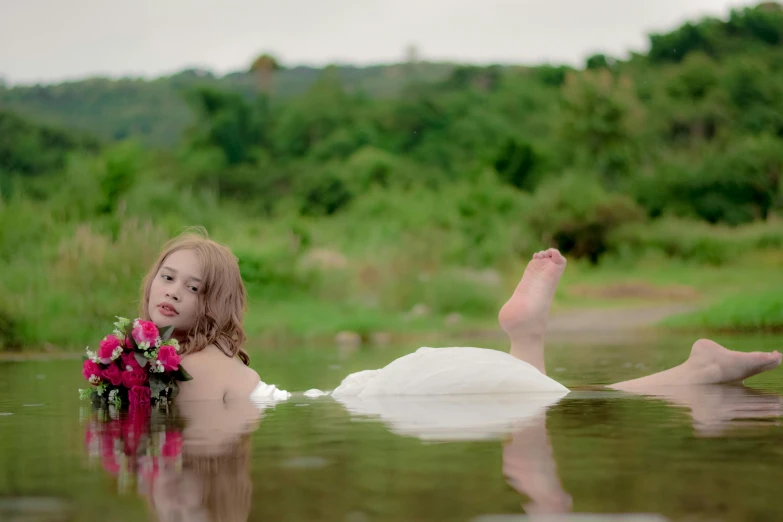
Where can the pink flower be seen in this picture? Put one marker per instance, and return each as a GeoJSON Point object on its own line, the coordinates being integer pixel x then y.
{"type": "Point", "coordinates": [145, 332]}
{"type": "Point", "coordinates": [110, 464]}
{"type": "Point", "coordinates": [135, 377]}
{"type": "Point", "coordinates": [91, 369]}
{"type": "Point", "coordinates": [129, 359]}
{"type": "Point", "coordinates": [168, 357]}
{"type": "Point", "coordinates": [113, 374]}
{"type": "Point", "coordinates": [88, 436]}
{"type": "Point", "coordinates": [107, 444]}
{"type": "Point", "coordinates": [139, 396]}
{"type": "Point", "coordinates": [113, 428]}
{"type": "Point", "coordinates": [137, 424]}
{"type": "Point", "coordinates": [107, 348]}
{"type": "Point", "coordinates": [172, 445]}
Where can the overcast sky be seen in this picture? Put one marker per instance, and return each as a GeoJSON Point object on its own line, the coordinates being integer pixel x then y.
{"type": "Point", "coordinates": [53, 40]}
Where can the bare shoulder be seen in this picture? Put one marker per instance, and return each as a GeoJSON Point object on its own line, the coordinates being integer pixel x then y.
{"type": "Point", "coordinates": [204, 361]}
{"type": "Point", "coordinates": [245, 381]}
{"type": "Point", "coordinates": [219, 376]}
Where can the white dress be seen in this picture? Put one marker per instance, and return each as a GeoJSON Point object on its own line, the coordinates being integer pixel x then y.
{"type": "Point", "coordinates": [437, 371]}
{"type": "Point", "coordinates": [443, 394]}
{"type": "Point", "coordinates": [450, 371]}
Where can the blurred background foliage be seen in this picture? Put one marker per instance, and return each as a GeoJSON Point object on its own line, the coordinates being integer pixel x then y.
{"type": "Point", "coordinates": [390, 197]}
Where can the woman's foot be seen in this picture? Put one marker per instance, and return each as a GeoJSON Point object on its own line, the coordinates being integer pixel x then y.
{"type": "Point", "coordinates": [525, 314]}
{"type": "Point", "coordinates": [709, 363]}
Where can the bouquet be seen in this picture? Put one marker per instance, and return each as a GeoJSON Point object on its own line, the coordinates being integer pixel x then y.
{"type": "Point", "coordinates": [136, 365]}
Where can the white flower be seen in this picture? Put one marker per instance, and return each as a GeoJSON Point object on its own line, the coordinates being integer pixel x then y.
{"type": "Point", "coordinates": [158, 342]}
{"type": "Point", "coordinates": [118, 334]}
{"type": "Point", "coordinates": [116, 353]}
{"type": "Point", "coordinates": [112, 395]}
{"type": "Point", "coordinates": [92, 355]}
{"type": "Point", "coordinates": [129, 368]}
{"type": "Point", "coordinates": [144, 345]}
{"type": "Point", "coordinates": [94, 379]}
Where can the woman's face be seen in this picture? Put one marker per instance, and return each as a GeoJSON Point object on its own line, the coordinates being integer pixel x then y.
{"type": "Point", "coordinates": [175, 290]}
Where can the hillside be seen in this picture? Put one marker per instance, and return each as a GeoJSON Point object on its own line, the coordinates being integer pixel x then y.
{"type": "Point", "coordinates": [156, 111]}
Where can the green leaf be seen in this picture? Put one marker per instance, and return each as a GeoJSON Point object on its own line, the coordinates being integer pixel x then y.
{"type": "Point", "coordinates": [181, 374]}
{"type": "Point", "coordinates": [166, 332]}
{"type": "Point", "coordinates": [140, 359]}
{"type": "Point", "coordinates": [157, 385]}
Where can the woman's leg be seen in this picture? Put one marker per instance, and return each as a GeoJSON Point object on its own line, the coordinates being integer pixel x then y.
{"type": "Point", "coordinates": [525, 314]}
{"type": "Point", "coordinates": [709, 363]}
{"type": "Point", "coordinates": [524, 319]}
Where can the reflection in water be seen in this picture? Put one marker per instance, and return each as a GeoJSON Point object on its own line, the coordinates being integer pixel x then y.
{"type": "Point", "coordinates": [716, 409]}
{"type": "Point", "coordinates": [192, 463]}
{"type": "Point", "coordinates": [133, 447]}
{"type": "Point", "coordinates": [530, 468]}
{"type": "Point", "coordinates": [453, 417]}
{"type": "Point", "coordinates": [528, 462]}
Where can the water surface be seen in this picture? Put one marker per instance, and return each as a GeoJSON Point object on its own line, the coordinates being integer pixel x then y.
{"type": "Point", "coordinates": [713, 453]}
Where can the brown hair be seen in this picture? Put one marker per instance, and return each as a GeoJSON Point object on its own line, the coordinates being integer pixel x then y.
{"type": "Point", "coordinates": [222, 299]}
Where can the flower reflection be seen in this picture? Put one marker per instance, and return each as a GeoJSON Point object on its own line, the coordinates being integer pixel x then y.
{"type": "Point", "coordinates": [133, 446]}
{"type": "Point", "coordinates": [189, 462]}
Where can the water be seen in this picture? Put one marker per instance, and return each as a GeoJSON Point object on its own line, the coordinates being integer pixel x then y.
{"type": "Point", "coordinates": [714, 454]}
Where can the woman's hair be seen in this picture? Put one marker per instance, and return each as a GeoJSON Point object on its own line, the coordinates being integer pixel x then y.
{"type": "Point", "coordinates": [222, 297]}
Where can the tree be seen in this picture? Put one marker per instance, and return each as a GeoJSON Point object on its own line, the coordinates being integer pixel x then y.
{"type": "Point", "coordinates": [264, 67]}
{"type": "Point", "coordinates": [599, 61]}
{"type": "Point", "coordinates": [601, 115]}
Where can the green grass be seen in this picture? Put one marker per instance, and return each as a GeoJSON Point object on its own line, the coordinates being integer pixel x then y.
{"type": "Point", "coordinates": [747, 312]}
{"type": "Point", "coordinates": [750, 274]}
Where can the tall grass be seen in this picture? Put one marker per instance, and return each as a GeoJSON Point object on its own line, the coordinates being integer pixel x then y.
{"type": "Point", "coordinates": [696, 241]}
{"type": "Point", "coordinates": [460, 249]}
{"type": "Point", "coordinates": [748, 312]}
{"type": "Point", "coordinates": [72, 288]}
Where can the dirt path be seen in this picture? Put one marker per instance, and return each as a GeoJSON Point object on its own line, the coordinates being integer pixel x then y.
{"type": "Point", "coordinates": [610, 324]}
{"type": "Point", "coordinates": [617, 325]}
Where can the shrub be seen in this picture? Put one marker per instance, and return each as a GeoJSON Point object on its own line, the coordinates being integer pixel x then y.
{"type": "Point", "coordinates": [693, 240]}
{"type": "Point", "coordinates": [575, 214]}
